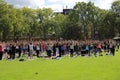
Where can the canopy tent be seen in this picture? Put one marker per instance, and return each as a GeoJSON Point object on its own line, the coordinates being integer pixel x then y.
{"type": "Point", "coordinates": [116, 38]}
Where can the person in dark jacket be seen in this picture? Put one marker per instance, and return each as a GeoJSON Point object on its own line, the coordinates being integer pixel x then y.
{"type": "Point", "coordinates": [38, 50]}
{"type": "Point", "coordinates": [54, 49]}
{"type": "Point", "coordinates": [60, 52]}
{"type": "Point", "coordinates": [19, 51]}
{"type": "Point", "coordinates": [83, 50]}
{"type": "Point", "coordinates": [112, 48]}
{"type": "Point", "coordinates": [95, 50]}
{"type": "Point", "coordinates": [76, 48]}
{"type": "Point", "coordinates": [13, 50]}
{"type": "Point", "coordinates": [1, 52]}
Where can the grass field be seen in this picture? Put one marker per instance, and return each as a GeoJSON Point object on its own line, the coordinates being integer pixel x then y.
{"type": "Point", "coordinates": [79, 68]}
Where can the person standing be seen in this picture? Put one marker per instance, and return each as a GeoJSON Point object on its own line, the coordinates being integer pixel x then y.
{"type": "Point", "coordinates": [95, 50]}
{"type": "Point", "coordinates": [71, 49]}
{"type": "Point", "coordinates": [54, 49]}
{"type": "Point", "coordinates": [13, 50]}
{"type": "Point", "coordinates": [37, 50]}
{"type": "Point", "coordinates": [87, 49]}
{"type": "Point", "coordinates": [31, 50]}
{"type": "Point", "coordinates": [10, 51]}
{"type": "Point", "coordinates": [19, 51]}
{"type": "Point", "coordinates": [60, 52]}
{"type": "Point", "coordinates": [1, 52]}
{"type": "Point", "coordinates": [99, 47]}
{"type": "Point", "coordinates": [83, 49]}
{"type": "Point", "coordinates": [118, 44]}
{"type": "Point", "coordinates": [112, 49]}
{"type": "Point", "coordinates": [50, 49]}
{"type": "Point", "coordinates": [76, 47]}
{"type": "Point", "coordinates": [63, 49]}
{"type": "Point", "coordinates": [57, 49]}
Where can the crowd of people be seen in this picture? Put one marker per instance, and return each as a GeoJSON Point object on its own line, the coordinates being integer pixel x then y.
{"type": "Point", "coordinates": [53, 49]}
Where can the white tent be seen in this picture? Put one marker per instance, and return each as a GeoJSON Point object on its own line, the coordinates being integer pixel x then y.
{"type": "Point", "coordinates": [116, 38]}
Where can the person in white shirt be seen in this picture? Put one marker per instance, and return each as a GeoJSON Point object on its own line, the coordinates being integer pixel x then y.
{"type": "Point", "coordinates": [50, 49]}
{"type": "Point", "coordinates": [71, 49]}
{"type": "Point", "coordinates": [31, 50]}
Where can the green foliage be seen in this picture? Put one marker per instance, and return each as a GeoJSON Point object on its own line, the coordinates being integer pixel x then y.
{"type": "Point", "coordinates": [116, 13]}
{"type": "Point", "coordinates": [60, 22]}
{"type": "Point", "coordinates": [44, 17]}
{"type": "Point", "coordinates": [5, 19]}
{"type": "Point", "coordinates": [85, 21]}
{"type": "Point", "coordinates": [85, 14]}
{"type": "Point", "coordinates": [72, 31]}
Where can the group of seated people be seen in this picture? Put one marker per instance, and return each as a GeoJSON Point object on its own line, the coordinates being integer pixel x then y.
{"type": "Point", "coordinates": [56, 48]}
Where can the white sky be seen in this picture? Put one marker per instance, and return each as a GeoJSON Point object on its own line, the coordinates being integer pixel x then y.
{"type": "Point", "coordinates": [57, 5]}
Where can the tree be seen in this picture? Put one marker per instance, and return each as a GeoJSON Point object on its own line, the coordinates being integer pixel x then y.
{"type": "Point", "coordinates": [59, 24]}
{"type": "Point", "coordinates": [44, 16]}
{"type": "Point", "coordinates": [17, 21]}
{"type": "Point", "coordinates": [5, 19]}
{"type": "Point", "coordinates": [106, 27]}
{"type": "Point", "coordinates": [29, 19]}
{"type": "Point", "coordinates": [116, 13]}
{"type": "Point", "coordinates": [72, 31]}
{"type": "Point", "coordinates": [85, 21]}
{"type": "Point", "coordinates": [86, 16]}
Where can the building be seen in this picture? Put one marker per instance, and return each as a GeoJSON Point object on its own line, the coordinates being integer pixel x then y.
{"type": "Point", "coordinates": [65, 11]}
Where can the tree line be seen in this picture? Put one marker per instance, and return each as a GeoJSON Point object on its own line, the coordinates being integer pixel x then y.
{"type": "Point", "coordinates": [85, 21]}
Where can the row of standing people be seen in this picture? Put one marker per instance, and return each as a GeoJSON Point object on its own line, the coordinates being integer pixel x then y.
{"type": "Point", "coordinates": [57, 48]}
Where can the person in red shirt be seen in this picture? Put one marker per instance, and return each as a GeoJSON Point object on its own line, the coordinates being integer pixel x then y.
{"type": "Point", "coordinates": [1, 52]}
{"type": "Point", "coordinates": [99, 47]}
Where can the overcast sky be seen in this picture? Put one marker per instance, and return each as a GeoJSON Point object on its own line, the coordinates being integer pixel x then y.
{"type": "Point", "coordinates": [57, 5]}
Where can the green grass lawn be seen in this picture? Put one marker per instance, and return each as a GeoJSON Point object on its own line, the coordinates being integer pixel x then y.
{"type": "Point", "coordinates": [79, 68]}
